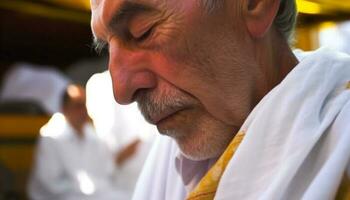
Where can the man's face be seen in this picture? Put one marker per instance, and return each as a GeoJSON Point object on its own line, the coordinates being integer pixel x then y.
{"type": "Point", "coordinates": [75, 109]}
{"type": "Point", "coordinates": [187, 67]}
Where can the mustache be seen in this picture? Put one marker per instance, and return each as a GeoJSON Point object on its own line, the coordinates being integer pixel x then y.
{"type": "Point", "coordinates": [154, 103]}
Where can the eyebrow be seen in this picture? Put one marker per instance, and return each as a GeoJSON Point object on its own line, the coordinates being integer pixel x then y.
{"type": "Point", "coordinates": [118, 23]}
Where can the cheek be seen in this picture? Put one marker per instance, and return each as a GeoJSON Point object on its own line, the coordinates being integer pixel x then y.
{"type": "Point", "coordinates": [186, 78]}
{"type": "Point", "coordinates": [168, 69]}
{"type": "Point", "coordinates": [191, 78]}
{"type": "Point", "coordinates": [175, 68]}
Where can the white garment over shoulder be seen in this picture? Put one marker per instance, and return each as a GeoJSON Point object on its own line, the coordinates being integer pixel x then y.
{"type": "Point", "coordinates": [297, 142]}
{"type": "Point", "coordinates": [70, 168]}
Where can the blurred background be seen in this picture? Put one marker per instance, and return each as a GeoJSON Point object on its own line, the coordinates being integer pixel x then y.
{"type": "Point", "coordinates": [52, 39]}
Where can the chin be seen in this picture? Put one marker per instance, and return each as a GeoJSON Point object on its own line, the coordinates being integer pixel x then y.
{"type": "Point", "coordinates": [202, 140]}
{"type": "Point", "coordinates": [198, 134]}
{"type": "Point", "coordinates": [196, 151]}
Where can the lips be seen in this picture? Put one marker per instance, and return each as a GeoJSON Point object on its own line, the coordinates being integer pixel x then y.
{"type": "Point", "coordinates": [159, 117]}
{"type": "Point", "coordinates": [158, 106]}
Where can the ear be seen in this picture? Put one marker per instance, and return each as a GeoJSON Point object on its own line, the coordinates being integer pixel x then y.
{"type": "Point", "coordinates": [259, 16]}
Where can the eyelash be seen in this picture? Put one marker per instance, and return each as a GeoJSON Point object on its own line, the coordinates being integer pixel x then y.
{"type": "Point", "coordinates": [145, 35]}
{"type": "Point", "coordinates": [103, 46]}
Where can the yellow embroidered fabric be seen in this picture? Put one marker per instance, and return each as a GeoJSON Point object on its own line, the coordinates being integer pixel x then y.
{"type": "Point", "coordinates": [344, 189]}
{"type": "Point", "coordinates": [206, 188]}
{"type": "Point", "coordinates": [348, 85]}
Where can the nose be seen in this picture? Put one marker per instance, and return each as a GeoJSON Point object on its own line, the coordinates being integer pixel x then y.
{"type": "Point", "coordinates": [130, 71]}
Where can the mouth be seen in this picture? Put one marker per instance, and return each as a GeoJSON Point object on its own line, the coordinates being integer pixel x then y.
{"type": "Point", "coordinates": [161, 117]}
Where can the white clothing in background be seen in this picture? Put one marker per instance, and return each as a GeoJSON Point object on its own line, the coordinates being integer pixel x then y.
{"type": "Point", "coordinates": [297, 142]}
{"type": "Point", "coordinates": [44, 85]}
{"type": "Point", "coordinates": [68, 167]}
{"type": "Point", "coordinates": [336, 37]}
{"type": "Point", "coordinates": [159, 179]}
{"type": "Point", "coordinates": [119, 125]}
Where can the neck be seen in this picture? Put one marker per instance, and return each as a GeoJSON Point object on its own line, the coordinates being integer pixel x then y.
{"type": "Point", "coordinates": [276, 60]}
{"type": "Point", "coordinates": [78, 129]}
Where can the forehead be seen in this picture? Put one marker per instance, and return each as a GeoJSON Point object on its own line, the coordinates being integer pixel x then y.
{"type": "Point", "coordinates": [104, 10]}
{"type": "Point", "coordinates": [107, 15]}
{"type": "Point", "coordinates": [98, 5]}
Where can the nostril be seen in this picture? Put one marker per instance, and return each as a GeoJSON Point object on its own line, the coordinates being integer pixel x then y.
{"type": "Point", "coordinates": [142, 81]}
{"type": "Point", "coordinates": [139, 94]}
{"type": "Point", "coordinates": [128, 84]}
{"type": "Point", "coordinates": [130, 72]}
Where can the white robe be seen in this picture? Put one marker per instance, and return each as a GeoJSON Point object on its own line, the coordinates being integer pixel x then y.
{"type": "Point", "coordinates": [297, 143]}
{"type": "Point", "coordinates": [68, 167]}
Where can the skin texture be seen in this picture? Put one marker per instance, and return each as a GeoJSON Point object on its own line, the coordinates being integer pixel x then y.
{"type": "Point", "coordinates": [195, 74]}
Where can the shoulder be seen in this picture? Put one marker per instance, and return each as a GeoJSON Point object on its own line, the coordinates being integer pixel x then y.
{"type": "Point", "coordinates": [56, 129]}
{"type": "Point", "coordinates": [322, 61]}
{"type": "Point", "coordinates": [324, 72]}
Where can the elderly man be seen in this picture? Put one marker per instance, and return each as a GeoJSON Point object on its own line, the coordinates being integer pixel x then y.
{"type": "Point", "coordinates": [250, 119]}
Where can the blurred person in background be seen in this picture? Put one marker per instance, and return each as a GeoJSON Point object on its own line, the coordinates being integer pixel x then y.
{"type": "Point", "coordinates": [123, 128]}
{"type": "Point", "coordinates": [247, 118]}
{"type": "Point", "coordinates": [71, 161]}
{"type": "Point", "coordinates": [42, 85]}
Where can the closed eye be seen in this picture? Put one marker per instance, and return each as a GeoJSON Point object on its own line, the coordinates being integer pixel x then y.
{"type": "Point", "coordinates": [145, 35]}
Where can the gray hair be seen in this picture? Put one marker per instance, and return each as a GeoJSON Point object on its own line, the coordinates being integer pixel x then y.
{"type": "Point", "coordinates": [284, 21]}
{"type": "Point", "coordinates": [286, 18]}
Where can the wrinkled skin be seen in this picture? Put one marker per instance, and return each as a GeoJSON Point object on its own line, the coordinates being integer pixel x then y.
{"type": "Point", "coordinates": [195, 74]}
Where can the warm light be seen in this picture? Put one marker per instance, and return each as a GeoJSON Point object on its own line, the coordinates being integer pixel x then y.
{"type": "Point", "coordinates": [100, 105]}
{"type": "Point", "coordinates": [54, 127]}
{"type": "Point", "coordinates": [55, 12]}
{"type": "Point", "coordinates": [79, 4]}
{"type": "Point", "coordinates": [328, 24]}
{"type": "Point", "coordinates": [74, 91]}
{"type": "Point", "coordinates": [86, 185]}
{"type": "Point", "coordinates": [334, 36]}
{"type": "Point", "coordinates": [112, 120]}
{"type": "Point", "coordinates": [308, 7]}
